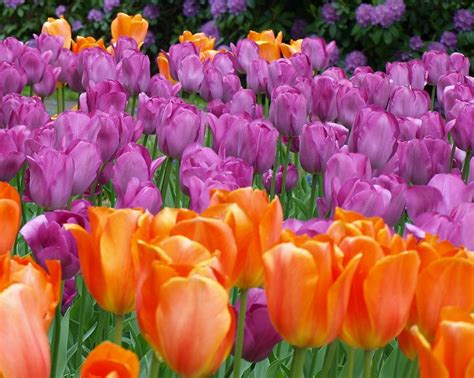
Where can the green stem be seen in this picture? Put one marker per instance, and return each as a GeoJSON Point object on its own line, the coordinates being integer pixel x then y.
{"type": "Point", "coordinates": [31, 90]}
{"type": "Point", "coordinates": [275, 166]}
{"type": "Point", "coordinates": [368, 355]}
{"type": "Point", "coordinates": [240, 332]}
{"type": "Point", "coordinates": [56, 334]}
{"type": "Point", "coordinates": [154, 367]}
{"type": "Point", "coordinates": [178, 188]}
{"type": "Point", "coordinates": [145, 140]}
{"type": "Point", "coordinates": [102, 324]}
{"type": "Point", "coordinates": [312, 198]}
{"type": "Point", "coordinates": [297, 366]}
{"type": "Point", "coordinates": [433, 93]}
{"type": "Point", "coordinates": [63, 104]}
{"type": "Point", "coordinates": [451, 157]}
{"type": "Point", "coordinates": [166, 177]}
{"type": "Point", "coordinates": [350, 362]}
{"type": "Point", "coordinates": [314, 359]}
{"type": "Point", "coordinates": [285, 168]}
{"type": "Point", "coordinates": [320, 186]}
{"type": "Point", "coordinates": [58, 101]}
{"type": "Point", "coordinates": [80, 330]}
{"type": "Point", "coordinates": [328, 357]}
{"type": "Point", "coordinates": [466, 166]}
{"type": "Point", "coordinates": [266, 107]}
{"type": "Point", "coordinates": [289, 196]}
{"type": "Point", "coordinates": [133, 105]}
{"type": "Point", "coordinates": [155, 148]}
{"type": "Point", "coordinates": [118, 330]}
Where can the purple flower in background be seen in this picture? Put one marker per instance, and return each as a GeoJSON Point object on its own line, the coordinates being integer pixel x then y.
{"type": "Point", "coordinates": [383, 16]}
{"type": "Point", "coordinates": [397, 7]}
{"type": "Point", "coordinates": [190, 8]}
{"type": "Point", "coordinates": [60, 10]}
{"type": "Point", "coordinates": [149, 39]}
{"type": "Point", "coordinates": [449, 39]}
{"type": "Point", "coordinates": [437, 46]}
{"type": "Point", "coordinates": [211, 30]}
{"type": "Point", "coordinates": [13, 3]}
{"type": "Point", "coordinates": [218, 7]}
{"type": "Point", "coordinates": [298, 28]}
{"type": "Point", "coordinates": [365, 14]}
{"type": "Point", "coordinates": [355, 59]}
{"type": "Point", "coordinates": [77, 25]}
{"type": "Point", "coordinates": [110, 4]}
{"type": "Point", "coordinates": [236, 6]}
{"type": "Point", "coordinates": [416, 43]}
{"type": "Point", "coordinates": [151, 12]}
{"type": "Point", "coordinates": [463, 20]}
{"type": "Point", "coordinates": [95, 15]}
{"type": "Point", "coordinates": [329, 13]}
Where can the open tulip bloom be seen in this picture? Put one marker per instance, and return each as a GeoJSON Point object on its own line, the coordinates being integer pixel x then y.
{"type": "Point", "coordinates": [247, 211]}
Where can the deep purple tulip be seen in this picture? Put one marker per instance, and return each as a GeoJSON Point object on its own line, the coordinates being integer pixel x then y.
{"type": "Point", "coordinates": [280, 72]}
{"type": "Point", "coordinates": [259, 334]}
{"type": "Point", "coordinates": [177, 53]}
{"type": "Point", "coordinates": [244, 101]}
{"type": "Point", "coordinates": [260, 145]}
{"type": "Point", "coordinates": [12, 154]}
{"type": "Point", "coordinates": [52, 43]}
{"type": "Point", "coordinates": [48, 239]}
{"type": "Point", "coordinates": [459, 63]}
{"type": "Point", "coordinates": [246, 51]}
{"type": "Point", "coordinates": [47, 85]}
{"type": "Point", "coordinates": [374, 134]}
{"type": "Point", "coordinates": [107, 96]}
{"type": "Point", "coordinates": [149, 112]}
{"type": "Point", "coordinates": [95, 65]}
{"type": "Point", "coordinates": [315, 49]}
{"type": "Point", "coordinates": [318, 142]}
{"type": "Point", "coordinates": [397, 188]}
{"type": "Point", "coordinates": [181, 125]}
{"type": "Point", "coordinates": [290, 183]}
{"type": "Point", "coordinates": [133, 72]}
{"type": "Point", "coordinates": [407, 102]}
{"type": "Point", "coordinates": [376, 85]}
{"type": "Point", "coordinates": [349, 101]}
{"type": "Point", "coordinates": [69, 293]}
{"type": "Point", "coordinates": [323, 92]}
{"type": "Point", "coordinates": [12, 78]}
{"type": "Point", "coordinates": [463, 130]}
{"type": "Point", "coordinates": [258, 76]}
{"type": "Point", "coordinates": [19, 110]}
{"type": "Point", "coordinates": [288, 110]}
{"type": "Point", "coordinates": [436, 64]}
{"type": "Point", "coordinates": [33, 64]}
{"type": "Point", "coordinates": [161, 87]}
{"type": "Point", "coordinates": [44, 136]}
{"type": "Point", "coordinates": [143, 195]}
{"type": "Point", "coordinates": [10, 49]}
{"type": "Point", "coordinates": [190, 73]}
{"type": "Point", "coordinates": [87, 161]}
{"type": "Point", "coordinates": [420, 160]}
{"type": "Point", "coordinates": [71, 126]}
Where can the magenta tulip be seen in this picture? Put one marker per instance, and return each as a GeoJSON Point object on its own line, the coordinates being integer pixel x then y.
{"type": "Point", "coordinates": [133, 72]}
{"type": "Point", "coordinates": [288, 110]}
{"type": "Point", "coordinates": [161, 87]}
{"type": "Point", "coordinates": [407, 102]}
{"type": "Point", "coordinates": [323, 92]}
{"type": "Point", "coordinates": [144, 195]}
{"type": "Point", "coordinates": [290, 183]}
{"type": "Point", "coordinates": [376, 85]}
{"type": "Point", "coordinates": [107, 96]}
{"type": "Point", "coordinates": [19, 110]}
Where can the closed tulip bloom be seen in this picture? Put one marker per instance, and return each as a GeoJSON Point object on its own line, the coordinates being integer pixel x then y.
{"type": "Point", "coordinates": [58, 27]}
{"type": "Point", "coordinates": [323, 92]}
{"type": "Point", "coordinates": [51, 43]}
{"type": "Point", "coordinates": [397, 188]}
{"type": "Point", "coordinates": [161, 87]}
{"type": "Point", "coordinates": [300, 279]}
{"type": "Point", "coordinates": [407, 102]}
{"type": "Point", "coordinates": [447, 80]}
{"type": "Point", "coordinates": [144, 195]}
{"type": "Point", "coordinates": [212, 86]}
{"type": "Point", "coordinates": [436, 64]}
{"type": "Point", "coordinates": [258, 76]}
{"type": "Point", "coordinates": [376, 85]}
{"type": "Point", "coordinates": [374, 134]}
{"type": "Point", "coordinates": [87, 161]}
{"type": "Point", "coordinates": [451, 353]}
{"type": "Point", "coordinates": [33, 64]}
{"type": "Point", "coordinates": [177, 53]}
{"type": "Point", "coordinates": [462, 131]}
{"type": "Point", "coordinates": [108, 359]}
{"type": "Point", "coordinates": [349, 101]}
{"type": "Point", "coordinates": [10, 216]}
{"type": "Point", "coordinates": [315, 49]}
{"type": "Point", "coordinates": [246, 51]}
{"type": "Point", "coordinates": [190, 73]}
{"type": "Point", "coordinates": [268, 44]}
{"type": "Point", "coordinates": [70, 126]}
{"type": "Point", "coordinates": [256, 224]}
{"type": "Point", "coordinates": [149, 111]}
{"type": "Point", "coordinates": [12, 154]}
{"type": "Point", "coordinates": [123, 46]}
{"type": "Point", "coordinates": [124, 25]}
{"type": "Point", "coordinates": [51, 178]}
{"type": "Point", "coordinates": [412, 73]}
{"type": "Point", "coordinates": [291, 179]}
{"type": "Point", "coordinates": [133, 72]}
{"type": "Point", "coordinates": [280, 72]}
{"type": "Point", "coordinates": [107, 264]}
{"type": "Point", "coordinates": [459, 63]}
{"type": "Point", "coordinates": [260, 146]}
{"type": "Point", "coordinates": [19, 110]}
{"type": "Point", "coordinates": [244, 101]}
{"type": "Point", "coordinates": [96, 65]}
{"type": "Point", "coordinates": [83, 43]}
{"type": "Point", "coordinates": [107, 96]}
{"type": "Point", "coordinates": [455, 98]}
{"type": "Point", "coordinates": [288, 110]}
{"type": "Point", "coordinates": [432, 125]}
{"type": "Point", "coordinates": [12, 78]}
{"type": "Point", "coordinates": [259, 334]}
{"type": "Point", "coordinates": [47, 85]}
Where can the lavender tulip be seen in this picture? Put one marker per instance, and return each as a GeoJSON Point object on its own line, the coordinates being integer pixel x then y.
{"type": "Point", "coordinates": [19, 110]}
{"type": "Point", "coordinates": [33, 64]}
{"type": "Point", "coordinates": [349, 101]}
{"type": "Point", "coordinates": [224, 62]}
{"type": "Point", "coordinates": [259, 334]}
{"type": "Point", "coordinates": [161, 87]}
{"type": "Point", "coordinates": [323, 92]}
{"type": "Point", "coordinates": [12, 154]}
{"type": "Point", "coordinates": [432, 125]}
{"type": "Point", "coordinates": [149, 112]}
{"type": "Point", "coordinates": [459, 63]}
{"type": "Point", "coordinates": [258, 76]}
{"type": "Point", "coordinates": [412, 73]}
{"type": "Point", "coordinates": [190, 73]}
{"type": "Point", "coordinates": [240, 170]}
{"type": "Point", "coordinates": [376, 85]}
{"type": "Point", "coordinates": [177, 54]}
{"type": "Point", "coordinates": [123, 46]}
{"type": "Point", "coordinates": [133, 72]}
{"type": "Point", "coordinates": [291, 179]}
{"type": "Point", "coordinates": [397, 188]}
{"type": "Point", "coordinates": [463, 130]}
{"type": "Point", "coordinates": [310, 227]}
{"type": "Point", "coordinates": [212, 85]}
{"type": "Point", "coordinates": [280, 72]}
{"type": "Point", "coordinates": [288, 110]}
{"type": "Point", "coordinates": [230, 86]}
{"type": "Point", "coordinates": [108, 96]}
{"type": "Point", "coordinates": [302, 65]}
{"type": "Point", "coordinates": [12, 79]}
{"type": "Point", "coordinates": [259, 146]}
{"type": "Point", "coordinates": [338, 73]}
{"type": "Point", "coordinates": [409, 102]}
{"type": "Point", "coordinates": [95, 65]}
{"type": "Point", "coordinates": [244, 101]}
{"type": "Point", "coordinates": [143, 195]}
{"type": "Point", "coordinates": [315, 49]}
{"type": "Point", "coordinates": [47, 85]}
{"type": "Point", "coordinates": [71, 126]}
{"type": "Point", "coordinates": [436, 64]}
{"type": "Point", "coordinates": [455, 98]}
{"type": "Point", "coordinates": [448, 79]}
{"type": "Point", "coordinates": [69, 64]}
{"type": "Point", "coordinates": [86, 158]}
{"type": "Point", "coordinates": [246, 51]}
{"type": "Point", "coordinates": [52, 43]}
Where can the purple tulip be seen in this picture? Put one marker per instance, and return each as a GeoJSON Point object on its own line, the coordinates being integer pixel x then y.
{"type": "Point", "coordinates": [246, 51]}
{"type": "Point", "coordinates": [69, 294]}
{"type": "Point", "coordinates": [212, 85]}
{"type": "Point", "coordinates": [12, 154]}
{"type": "Point", "coordinates": [463, 130]}
{"type": "Point", "coordinates": [133, 72]}
{"type": "Point", "coordinates": [397, 188]}
{"type": "Point", "coordinates": [241, 171]}
{"type": "Point", "coordinates": [51, 178]}
{"type": "Point", "coordinates": [290, 183]}
{"type": "Point", "coordinates": [224, 62]}
{"type": "Point", "coordinates": [177, 54]}
{"type": "Point", "coordinates": [436, 64]}
{"type": "Point", "coordinates": [10, 49]}
{"type": "Point", "coordinates": [33, 64]}
{"type": "Point", "coordinates": [12, 79]}
{"type": "Point", "coordinates": [459, 63]}
{"type": "Point", "coordinates": [315, 49]}
{"type": "Point", "coordinates": [412, 73]}
{"type": "Point", "coordinates": [432, 125]}
{"type": "Point", "coordinates": [323, 92]}
{"type": "Point", "coordinates": [230, 86]}
{"type": "Point", "coordinates": [44, 136]}
{"type": "Point", "coordinates": [288, 110]}
{"type": "Point", "coordinates": [181, 125]}
{"type": "Point", "coordinates": [161, 87]}
{"type": "Point", "coordinates": [71, 126]}
{"type": "Point", "coordinates": [87, 161]}
{"type": "Point", "coordinates": [349, 101]}
{"type": "Point", "coordinates": [227, 131]}
{"type": "Point", "coordinates": [108, 96]}
{"type": "Point", "coordinates": [302, 65]}
{"type": "Point", "coordinates": [260, 146]}
{"type": "Point", "coordinates": [338, 73]}
{"type": "Point", "coordinates": [190, 73]}
{"type": "Point", "coordinates": [420, 160]}
{"type": "Point", "coordinates": [408, 102]}
{"type": "Point", "coordinates": [447, 80]}
{"type": "Point", "coordinates": [19, 110]}
{"type": "Point", "coordinates": [47, 85]}
{"type": "Point", "coordinates": [48, 239]}
{"type": "Point", "coordinates": [258, 76]}
{"type": "Point", "coordinates": [318, 142]}
{"type": "Point", "coordinates": [259, 334]}
{"type": "Point", "coordinates": [456, 97]}
{"type": "Point", "coordinates": [143, 195]}
{"type": "Point", "coordinates": [244, 101]}
{"type": "Point", "coordinates": [149, 112]}
{"type": "Point", "coordinates": [311, 227]}
{"type": "Point", "coordinates": [376, 85]}
{"type": "Point", "coordinates": [280, 72]}
{"type": "Point", "coordinates": [375, 135]}
{"type": "Point", "coordinates": [124, 46]}
{"type": "Point", "coordinates": [52, 43]}
{"type": "Point", "coordinates": [95, 65]}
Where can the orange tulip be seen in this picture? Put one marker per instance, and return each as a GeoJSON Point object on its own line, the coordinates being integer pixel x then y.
{"type": "Point", "coordinates": [134, 27]}
{"type": "Point", "coordinates": [110, 360]}
{"type": "Point", "coordinates": [256, 224]}
{"type": "Point", "coordinates": [451, 353]}
{"type": "Point", "coordinates": [164, 66]}
{"type": "Point", "coordinates": [105, 256]}
{"type": "Point", "coordinates": [82, 43]}
{"type": "Point", "coordinates": [208, 55]}
{"type": "Point", "coordinates": [268, 44]}
{"type": "Point", "coordinates": [307, 291]}
{"type": "Point", "coordinates": [179, 301]}
{"type": "Point", "coordinates": [59, 27]}
{"type": "Point", "coordinates": [10, 215]}
{"type": "Point", "coordinates": [381, 294]}
{"type": "Point", "coordinates": [293, 48]}
{"type": "Point", "coordinates": [200, 40]}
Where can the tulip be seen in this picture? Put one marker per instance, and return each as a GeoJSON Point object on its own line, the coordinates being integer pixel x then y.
{"type": "Point", "coordinates": [51, 43]}
{"type": "Point", "coordinates": [177, 54]}
{"type": "Point", "coordinates": [83, 43]}
{"type": "Point", "coordinates": [40, 138]}
{"type": "Point", "coordinates": [450, 354]}
{"type": "Point", "coordinates": [12, 79]}
{"type": "Point", "coordinates": [161, 87]}
{"type": "Point", "coordinates": [190, 73]}
{"type": "Point", "coordinates": [315, 49]}
{"type": "Point", "coordinates": [69, 64]}
{"type": "Point", "coordinates": [200, 40]}
{"type": "Point", "coordinates": [290, 183]}
{"type": "Point", "coordinates": [70, 126]}
{"type": "Point", "coordinates": [164, 66]}
{"type": "Point", "coordinates": [212, 84]}
{"type": "Point", "coordinates": [86, 158]}
{"type": "Point", "coordinates": [111, 281]}
{"type": "Point", "coordinates": [456, 97]}
{"type": "Point", "coordinates": [12, 155]}
{"type": "Point", "coordinates": [258, 76]}
{"type": "Point", "coordinates": [436, 64]}
{"type": "Point", "coordinates": [259, 334]}
{"type": "Point", "coordinates": [293, 282]}
{"type": "Point", "coordinates": [134, 27]}
{"type": "Point", "coordinates": [108, 96]}
{"type": "Point", "coordinates": [51, 178]}
{"type": "Point", "coordinates": [33, 64]}
{"type": "Point", "coordinates": [181, 125]}
{"type": "Point", "coordinates": [459, 63]}
{"type": "Point", "coordinates": [447, 80]}
{"type": "Point", "coordinates": [47, 85]}
{"type": "Point", "coordinates": [310, 227]}
{"type": "Point", "coordinates": [69, 294]}
{"type": "Point", "coordinates": [349, 101]}
{"type": "Point", "coordinates": [149, 112]}
{"type": "Point", "coordinates": [280, 72]}
{"type": "Point", "coordinates": [244, 101]}
{"type": "Point", "coordinates": [144, 195]}
{"type": "Point", "coordinates": [96, 65]}
{"type": "Point", "coordinates": [246, 51]}
{"type": "Point", "coordinates": [432, 125]}
{"type": "Point", "coordinates": [250, 215]}
{"type": "Point", "coordinates": [260, 146]}
{"type": "Point", "coordinates": [133, 72]}
{"type": "Point", "coordinates": [376, 85]}
{"type": "Point", "coordinates": [288, 110]}
{"type": "Point", "coordinates": [108, 359]}
{"type": "Point", "coordinates": [374, 128]}
{"type": "Point", "coordinates": [19, 110]}
{"type": "Point", "coordinates": [268, 44]}
{"type": "Point", "coordinates": [224, 62]}
{"type": "Point", "coordinates": [293, 48]}
{"type": "Point", "coordinates": [412, 73]}
{"type": "Point", "coordinates": [462, 130]}
{"type": "Point", "coordinates": [10, 216]}
{"type": "Point", "coordinates": [58, 27]}
{"type": "Point", "coordinates": [323, 93]}
{"type": "Point", "coordinates": [408, 102]}
{"type": "Point", "coordinates": [338, 73]}
{"type": "Point", "coordinates": [196, 161]}
{"type": "Point", "coordinates": [397, 188]}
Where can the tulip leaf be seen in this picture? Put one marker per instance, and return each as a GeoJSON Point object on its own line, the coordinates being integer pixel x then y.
{"type": "Point", "coordinates": [62, 347]}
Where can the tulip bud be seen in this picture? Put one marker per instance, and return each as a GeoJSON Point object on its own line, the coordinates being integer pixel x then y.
{"type": "Point", "coordinates": [161, 87]}
{"type": "Point", "coordinates": [280, 72]}
{"type": "Point", "coordinates": [149, 112]}
{"type": "Point", "coordinates": [212, 84]}
{"type": "Point", "coordinates": [123, 46]}
{"type": "Point", "coordinates": [133, 72]}
{"type": "Point", "coordinates": [107, 96]}
{"type": "Point", "coordinates": [12, 79]}
{"type": "Point", "coordinates": [87, 161]}
{"type": "Point", "coordinates": [409, 102]}
{"type": "Point", "coordinates": [246, 51]}
{"type": "Point", "coordinates": [459, 63]}
{"type": "Point", "coordinates": [58, 27]}
{"type": "Point", "coordinates": [315, 49]}
{"type": "Point", "coordinates": [19, 110]}
{"type": "Point", "coordinates": [33, 64]}
{"type": "Point", "coordinates": [436, 63]}
{"type": "Point", "coordinates": [177, 54]}
{"type": "Point", "coordinates": [258, 76]}
{"type": "Point", "coordinates": [47, 85]}
{"type": "Point", "coordinates": [52, 43]}
{"type": "Point", "coordinates": [349, 101]}
{"type": "Point", "coordinates": [288, 110]}
{"type": "Point", "coordinates": [95, 65]}
{"type": "Point", "coordinates": [190, 73]}
{"type": "Point", "coordinates": [12, 154]}
{"type": "Point", "coordinates": [244, 101]}
{"type": "Point", "coordinates": [323, 93]}
{"type": "Point", "coordinates": [144, 195]}
{"type": "Point", "coordinates": [290, 183]}
{"type": "Point", "coordinates": [134, 27]}
{"type": "Point", "coordinates": [376, 85]}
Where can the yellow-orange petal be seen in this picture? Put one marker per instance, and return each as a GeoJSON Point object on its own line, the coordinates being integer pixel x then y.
{"type": "Point", "coordinates": [134, 27]}
{"type": "Point", "coordinates": [10, 216]}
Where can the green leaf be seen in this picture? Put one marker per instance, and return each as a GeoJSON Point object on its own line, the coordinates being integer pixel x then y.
{"type": "Point", "coordinates": [387, 37]}
{"type": "Point", "coordinates": [62, 347]}
{"type": "Point", "coordinates": [356, 29]}
{"type": "Point", "coordinates": [376, 36]}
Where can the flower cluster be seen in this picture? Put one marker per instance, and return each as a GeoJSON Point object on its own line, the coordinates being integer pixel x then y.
{"type": "Point", "coordinates": [384, 14]}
